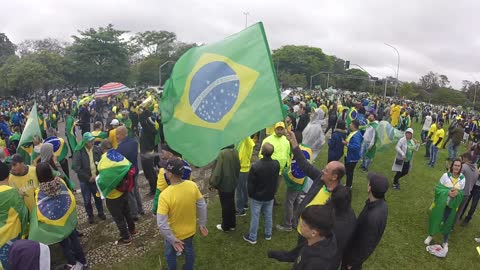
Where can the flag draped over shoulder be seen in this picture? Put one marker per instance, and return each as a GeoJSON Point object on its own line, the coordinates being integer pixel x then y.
{"type": "Point", "coordinates": [59, 148]}
{"type": "Point", "coordinates": [32, 128]}
{"type": "Point", "coordinates": [13, 220]}
{"type": "Point", "coordinates": [436, 223]}
{"type": "Point", "coordinates": [69, 132]}
{"type": "Point", "coordinates": [53, 218]}
{"type": "Point", "coordinates": [219, 94]}
{"type": "Point", "coordinates": [112, 167]}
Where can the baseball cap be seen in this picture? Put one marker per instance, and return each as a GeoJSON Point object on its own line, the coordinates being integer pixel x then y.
{"type": "Point", "coordinates": [87, 137]}
{"type": "Point", "coordinates": [115, 122]}
{"type": "Point", "coordinates": [16, 158]}
{"type": "Point", "coordinates": [378, 184]}
{"type": "Point", "coordinates": [175, 166]}
{"type": "Point", "coordinates": [280, 124]}
{"type": "Point", "coordinates": [409, 130]}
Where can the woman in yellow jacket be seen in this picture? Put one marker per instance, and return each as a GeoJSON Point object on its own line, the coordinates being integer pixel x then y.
{"type": "Point", "coordinates": [395, 114]}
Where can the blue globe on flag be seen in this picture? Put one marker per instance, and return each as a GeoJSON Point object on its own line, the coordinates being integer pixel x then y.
{"type": "Point", "coordinates": [214, 89]}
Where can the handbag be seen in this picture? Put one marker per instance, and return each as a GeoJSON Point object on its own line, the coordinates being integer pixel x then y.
{"type": "Point", "coordinates": [399, 161]}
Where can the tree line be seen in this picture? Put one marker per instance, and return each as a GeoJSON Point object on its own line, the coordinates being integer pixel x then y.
{"type": "Point", "coordinates": [98, 56]}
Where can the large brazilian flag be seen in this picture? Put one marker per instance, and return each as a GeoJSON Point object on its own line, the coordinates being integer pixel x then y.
{"type": "Point", "coordinates": [219, 94]}
{"type": "Point", "coordinates": [53, 218]}
{"type": "Point", "coordinates": [13, 220]}
{"type": "Point", "coordinates": [112, 167]}
{"type": "Point", "coordinates": [59, 148]}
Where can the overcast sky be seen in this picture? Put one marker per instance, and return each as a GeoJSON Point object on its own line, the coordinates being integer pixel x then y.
{"type": "Point", "coordinates": [437, 35]}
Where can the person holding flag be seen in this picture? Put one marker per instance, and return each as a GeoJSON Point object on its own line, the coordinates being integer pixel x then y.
{"type": "Point", "coordinates": [13, 217]}
{"type": "Point", "coordinates": [54, 218]}
{"type": "Point", "coordinates": [369, 142]}
{"type": "Point", "coordinates": [112, 168]}
{"type": "Point", "coordinates": [448, 197]}
{"type": "Point", "coordinates": [60, 150]}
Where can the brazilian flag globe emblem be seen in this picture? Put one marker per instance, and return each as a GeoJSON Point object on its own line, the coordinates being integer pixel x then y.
{"type": "Point", "coordinates": [220, 93]}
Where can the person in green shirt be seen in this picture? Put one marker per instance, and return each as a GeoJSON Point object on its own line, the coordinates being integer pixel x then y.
{"type": "Point", "coordinates": [127, 122]}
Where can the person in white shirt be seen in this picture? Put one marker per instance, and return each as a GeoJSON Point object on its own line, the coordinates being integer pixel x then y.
{"type": "Point", "coordinates": [426, 127]}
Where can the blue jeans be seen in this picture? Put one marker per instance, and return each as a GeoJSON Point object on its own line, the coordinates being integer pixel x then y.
{"type": "Point", "coordinates": [365, 161]}
{"type": "Point", "coordinates": [433, 154]}
{"type": "Point", "coordinates": [241, 192]}
{"type": "Point", "coordinates": [257, 207]}
{"type": "Point", "coordinates": [171, 254]}
{"type": "Point", "coordinates": [89, 190]}
{"type": "Point", "coordinates": [423, 135]}
{"type": "Point", "coordinates": [452, 150]}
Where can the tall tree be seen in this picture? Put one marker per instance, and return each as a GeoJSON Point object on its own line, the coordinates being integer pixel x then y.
{"type": "Point", "coordinates": [155, 42]}
{"type": "Point", "coordinates": [430, 81]}
{"type": "Point", "coordinates": [52, 45]}
{"type": "Point", "coordinates": [444, 82]}
{"type": "Point", "coordinates": [7, 48]}
{"type": "Point", "coordinates": [99, 56]}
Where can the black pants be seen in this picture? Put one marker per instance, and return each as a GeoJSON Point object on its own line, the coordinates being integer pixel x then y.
{"type": "Point", "coordinates": [149, 172]}
{"type": "Point", "coordinates": [427, 148]}
{"type": "Point", "coordinates": [227, 200]}
{"type": "Point", "coordinates": [72, 249]}
{"type": "Point", "coordinates": [85, 128]}
{"type": "Point", "coordinates": [349, 170]}
{"type": "Point", "coordinates": [474, 198]}
{"type": "Point", "coordinates": [120, 211]}
{"type": "Point", "coordinates": [64, 164]}
{"type": "Point", "coordinates": [331, 125]}
{"type": "Point", "coordinates": [398, 175]}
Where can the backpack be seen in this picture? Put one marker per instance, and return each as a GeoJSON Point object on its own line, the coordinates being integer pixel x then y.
{"type": "Point", "coordinates": [128, 181]}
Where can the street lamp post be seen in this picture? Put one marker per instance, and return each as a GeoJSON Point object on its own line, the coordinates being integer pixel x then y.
{"type": "Point", "coordinates": [160, 73]}
{"type": "Point", "coordinates": [398, 66]}
{"type": "Point", "coordinates": [385, 93]}
{"type": "Point", "coordinates": [246, 13]}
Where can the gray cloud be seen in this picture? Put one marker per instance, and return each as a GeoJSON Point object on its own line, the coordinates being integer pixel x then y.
{"type": "Point", "coordinates": [438, 35]}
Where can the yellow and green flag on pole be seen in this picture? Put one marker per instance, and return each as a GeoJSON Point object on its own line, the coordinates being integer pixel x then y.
{"type": "Point", "coordinates": [219, 94]}
{"type": "Point", "coordinates": [32, 128]}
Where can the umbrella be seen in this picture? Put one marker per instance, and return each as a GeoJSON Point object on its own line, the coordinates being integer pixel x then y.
{"type": "Point", "coordinates": [111, 89]}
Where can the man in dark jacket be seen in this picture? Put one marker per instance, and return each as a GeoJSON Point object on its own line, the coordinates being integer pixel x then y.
{"type": "Point", "coordinates": [371, 224]}
{"type": "Point", "coordinates": [321, 245]}
{"type": "Point", "coordinates": [128, 147]}
{"type": "Point", "coordinates": [262, 183]}
{"type": "Point", "coordinates": [147, 145]}
{"type": "Point", "coordinates": [84, 115]}
{"type": "Point", "coordinates": [224, 178]}
{"type": "Point", "coordinates": [335, 145]}
{"type": "Point", "coordinates": [85, 158]}
{"type": "Point", "coordinates": [324, 183]}
{"type": "Point", "coordinates": [302, 122]}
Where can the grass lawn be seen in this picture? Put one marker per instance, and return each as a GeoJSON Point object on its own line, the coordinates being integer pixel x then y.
{"type": "Point", "coordinates": [401, 246]}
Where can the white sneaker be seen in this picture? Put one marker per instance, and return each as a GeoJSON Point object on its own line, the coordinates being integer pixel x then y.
{"type": "Point", "coordinates": [428, 240]}
{"type": "Point", "coordinates": [477, 240]}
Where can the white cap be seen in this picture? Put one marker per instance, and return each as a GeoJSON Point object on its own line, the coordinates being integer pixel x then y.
{"type": "Point", "coordinates": [115, 122]}
{"type": "Point", "coordinates": [409, 130]}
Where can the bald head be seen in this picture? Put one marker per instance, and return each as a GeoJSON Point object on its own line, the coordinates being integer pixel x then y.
{"type": "Point", "coordinates": [121, 133]}
{"type": "Point", "coordinates": [333, 172]}
{"type": "Point", "coordinates": [267, 150]}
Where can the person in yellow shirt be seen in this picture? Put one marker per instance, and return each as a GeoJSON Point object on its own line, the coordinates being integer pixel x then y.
{"type": "Point", "coordinates": [431, 131]}
{"type": "Point", "coordinates": [437, 139]}
{"type": "Point", "coordinates": [325, 182]}
{"type": "Point", "coordinates": [117, 205]}
{"type": "Point", "coordinates": [24, 179]}
{"type": "Point", "coordinates": [245, 150]}
{"type": "Point", "coordinates": [112, 133]}
{"type": "Point", "coordinates": [395, 114]}
{"type": "Point", "coordinates": [178, 208]}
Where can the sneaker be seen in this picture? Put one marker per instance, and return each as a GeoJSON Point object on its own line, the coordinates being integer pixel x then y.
{"type": "Point", "coordinates": [465, 222]}
{"type": "Point", "coordinates": [396, 187]}
{"type": "Point", "coordinates": [428, 240]}
{"type": "Point", "coordinates": [268, 237]}
{"type": "Point", "coordinates": [123, 242]}
{"type": "Point", "coordinates": [247, 238]}
{"type": "Point", "coordinates": [91, 220]}
{"type": "Point", "coordinates": [219, 227]}
{"type": "Point", "coordinates": [283, 228]}
{"type": "Point", "coordinates": [102, 216]}
{"type": "Point", "coordinates": [245, 208]}
{"type": "Point", "coordinates": [241, 213]}
{"type": "Point", "coordinates": [477, 240]}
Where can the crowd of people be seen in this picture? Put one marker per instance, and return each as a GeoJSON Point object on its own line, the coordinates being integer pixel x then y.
{"type": "Point", "coordinates": [127, 132]}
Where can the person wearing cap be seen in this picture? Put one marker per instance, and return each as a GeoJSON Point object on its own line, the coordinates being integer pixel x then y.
{"type": "Point", "coordinates": [403, 162]}
{"type": "Point", "coordinates": [128, 147]}
{"type": "Point", "coordinates": [352, 145]}
{"type": "Point", "coordinates": [24, 179]}
{"type": "Point", "coordinates": [437, 138]}
{"type": "Point", "coordinates": [112, 137]}
{"type": "Point", "coordinates": [177, 212]}
{"type": "Point", "coordinates": [325, 183]}
{"type": "Point", "coordinates": [162, 180]}
{"type": "Point", "coordinates": [371, 224]}
{"type": "Point", "coordinates": [85, 160]}
{"type": "Point", "coordinates": [369, 140]}
{"type": "Point", "coordinates": [224, 178]}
